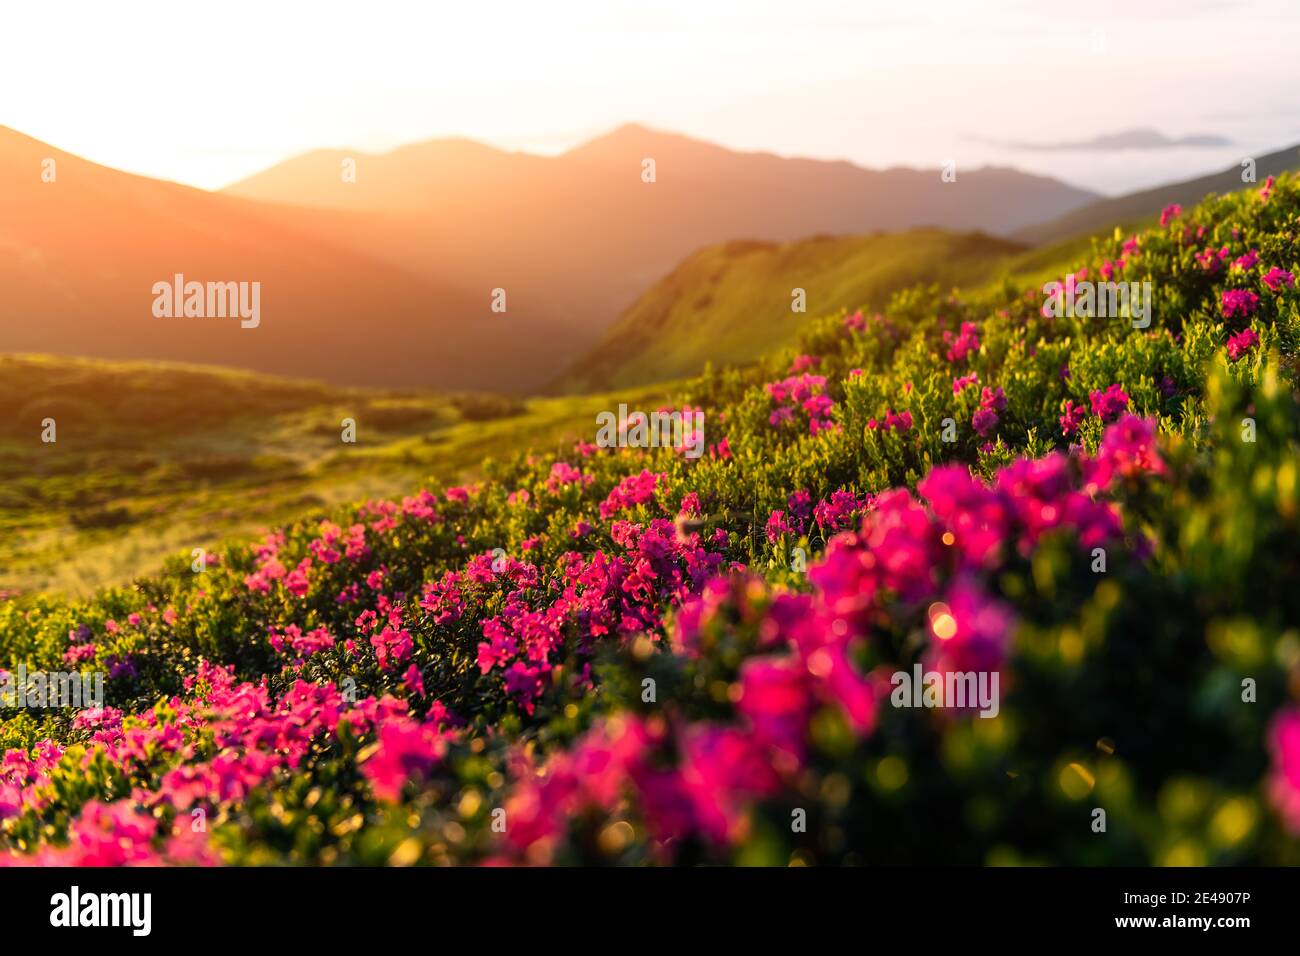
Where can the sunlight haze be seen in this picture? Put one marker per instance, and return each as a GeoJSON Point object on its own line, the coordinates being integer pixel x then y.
{"type": "Point", "coordinates": [207, 95]}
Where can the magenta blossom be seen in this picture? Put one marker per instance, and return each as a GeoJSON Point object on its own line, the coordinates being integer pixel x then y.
{"type": "Point", "coordinates": [1072, 416]}
{"type": "Point", "coordinates": [1110, 404]}
{"type": "Point", "coordinates": [777, 526]}
{"type": "Point", "coordinates": [1277, 278]}
{"type": "Point", "coordinates": [1241, 343]}
{"type": "Point", "coordinates": [1239, 302]}
{"type": "Point", "coordinates": [962, 344]}
{"type": "Point", "coordinates": [984, 421]}
{"type": "Point", "coordinates": [1284, 780]}
{"type": "Point", "coordinates": [406, 749]}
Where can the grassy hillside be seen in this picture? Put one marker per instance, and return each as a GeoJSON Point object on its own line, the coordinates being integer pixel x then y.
{"type": "Point", "coordinates": [731, 303]}
{"type": "Point", "coordinates": [628, 656]}
{"type": "Point", "coordinates": [151, 459]}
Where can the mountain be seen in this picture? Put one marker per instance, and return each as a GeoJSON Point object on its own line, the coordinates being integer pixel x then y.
{"type": "Point", "coordinates": [731, 303]}
{"type": "Point", "coordinates": [582, 234]}
{"type": "Point", "coordinates": [1134, 207]}
{"type": "Point", "coordinates": [80, 255]}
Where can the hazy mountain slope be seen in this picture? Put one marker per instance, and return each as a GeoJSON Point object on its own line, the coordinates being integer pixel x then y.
{"type": "Point", "coordinates": [584, 235]}
{"type": "Point", "coordinates": [1135, 207]}
{"type": "Point", "coordinates": [731, 303]}
{"type": "Point", "coordinates": [79, 257]}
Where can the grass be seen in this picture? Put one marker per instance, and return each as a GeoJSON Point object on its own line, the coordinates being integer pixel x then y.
{"type": "Point", "coordinates": [154, 459]}
{"type": "Point", "coordinates": [730, 304]}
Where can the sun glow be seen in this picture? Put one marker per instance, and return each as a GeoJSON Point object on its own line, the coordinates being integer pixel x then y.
{"type": "Point", "coordinates": [208, 94]}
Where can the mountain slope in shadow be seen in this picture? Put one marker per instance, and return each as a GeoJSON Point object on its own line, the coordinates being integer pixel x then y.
{"type": "Point", "coordinates": [79, 257]}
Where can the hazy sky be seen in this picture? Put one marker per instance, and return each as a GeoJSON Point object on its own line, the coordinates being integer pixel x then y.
{"type": "Point", "coordinates": [208, 93]}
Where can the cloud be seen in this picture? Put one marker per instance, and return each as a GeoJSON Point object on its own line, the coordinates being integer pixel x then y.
{"type": "Point", "coordinates": [1144, 139]}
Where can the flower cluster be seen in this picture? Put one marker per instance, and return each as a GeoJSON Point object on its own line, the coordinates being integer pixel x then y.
{"type": "Point", "coordinates": [804, 393]}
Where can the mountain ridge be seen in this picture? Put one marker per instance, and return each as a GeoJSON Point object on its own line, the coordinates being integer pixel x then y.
{"type": "Point", "coordinates": [1133, 207]}
{"type": "Point", "coordinates": [582, 234]}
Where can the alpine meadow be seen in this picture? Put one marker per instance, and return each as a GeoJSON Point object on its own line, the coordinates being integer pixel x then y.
{"type": "Point", "coordinates": [864, 492]}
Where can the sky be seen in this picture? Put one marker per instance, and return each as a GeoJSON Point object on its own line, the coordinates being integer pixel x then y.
{"type": "Point", "coordinates": [207, 93]}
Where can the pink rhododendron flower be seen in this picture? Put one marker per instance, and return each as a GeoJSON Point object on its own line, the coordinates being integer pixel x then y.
{"type": "Point", "coordinates": [563, 474]}
{"type": "Point", "coordinates": [296, 581]}
{"type": "Point", "coordinates": [631, 491]}
{"type": "Point", "coordinates": [1276, 279]}
{"type": "Point", "coordinates": [961, 345]}
{"type": "Point", "coordinates": [804, 392]}
{"type": "Point", "coordinates": [776, 699]}
{"type": "Point", "coordinates": [1212, 259]}
{"type": "Point", "coordinates": [1109, 269]}
{"type": "Point", "coordinates": [1072, 416]}
{"type": "Point", "coordinates": [985, 418]}
{"type": "Point", "coordinates": [1239, 302]}
{"type": "Point", "coordinates": [1128, 448]}
{"type": "Point", "coordinates": [392, 646]}
{"type": "Point", "coordinates": [777, 526]}
{"type": "Point", "coordinates": [1241, 343]}
{"type": "Point", "coordinates": [1284, 778]}
{"type": "Point", "coordinates": [723, 771]}
{"type": "Point", "coordinates": [969, 631]}
{"type": "Point", "coordinates": [296, 645]}
{"type": "Point", "coordinates": [80, 652]}
{"type": "Point", "coordinates": [413, 681]}
{"type": "Point", "coordinates": [1244, 263]}
{"type": "Point", "coordinates": [900, 422]}
{"type": "Point", "coordinates": [841, 511]}
{"type": "Point", "coordinates": [799, 504]}
{"type": "Point", "coordinates": [407, 749]}
{"type": "Point", "coordinates": [984, 421]}
{"type": "Point", "coordinates": [1110, 404]}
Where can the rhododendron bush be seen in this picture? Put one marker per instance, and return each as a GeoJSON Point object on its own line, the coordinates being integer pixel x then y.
{"type": "Point", "coordinates": [631, 656]}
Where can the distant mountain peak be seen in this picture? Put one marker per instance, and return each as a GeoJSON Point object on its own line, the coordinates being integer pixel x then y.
{"type": "Point", "coordinates": [636, 136]}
